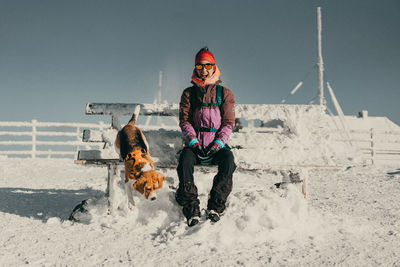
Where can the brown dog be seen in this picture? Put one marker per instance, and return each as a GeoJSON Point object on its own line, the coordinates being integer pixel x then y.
{"type": "Point", "coordinates": [139, 168]}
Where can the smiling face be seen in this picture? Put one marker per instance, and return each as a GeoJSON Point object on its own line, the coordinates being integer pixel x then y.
{"type": "Point", "coordinates": [204, 73]}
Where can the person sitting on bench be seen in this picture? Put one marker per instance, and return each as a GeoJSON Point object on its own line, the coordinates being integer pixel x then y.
{"type": "Point", "coordinates": [206, 118]}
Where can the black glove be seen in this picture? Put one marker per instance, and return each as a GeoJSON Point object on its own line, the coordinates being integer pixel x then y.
{"type": "Point", "coordinates": [198, 151]}
{"type": "Point", "coordinates": [196, 148]}
{"type": "Point", "coordinates": [215, 147]}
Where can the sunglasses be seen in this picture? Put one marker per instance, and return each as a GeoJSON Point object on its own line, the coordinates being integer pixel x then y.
{"type": "Point", "coordinates": [208, 66]}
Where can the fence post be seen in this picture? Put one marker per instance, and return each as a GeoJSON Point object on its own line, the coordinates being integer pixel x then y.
{"type": "Point", "coordinates": [78, 137]}
{"type": "Point", "coordinates": [102, 127]}
{"type": "Point", "coordinates": [33, 153]}
{"type": "Point", "coordinates": [372, 146]}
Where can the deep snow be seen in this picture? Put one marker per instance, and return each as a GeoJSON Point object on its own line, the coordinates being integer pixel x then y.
{"type": "Point", "coordinates": [350, 218]}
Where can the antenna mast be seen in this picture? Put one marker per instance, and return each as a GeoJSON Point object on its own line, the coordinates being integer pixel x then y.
{"type": "Point", "coordinates": [157, 99]}
{"type": "Point", "coordinates": [160, 76]}
{"type": "Point", "coordinates": [320, 62]}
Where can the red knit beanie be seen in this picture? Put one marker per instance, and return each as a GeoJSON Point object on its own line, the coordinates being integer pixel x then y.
{"type": "Point", "coordinates": [204, 54]}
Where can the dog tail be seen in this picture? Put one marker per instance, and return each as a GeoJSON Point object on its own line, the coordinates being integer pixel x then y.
{"type": "Point", "coordinates": [135, 114]}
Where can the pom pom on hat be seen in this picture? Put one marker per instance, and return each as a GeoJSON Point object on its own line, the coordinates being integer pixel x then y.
{"type": "Point", "coordinates": [204, 55]}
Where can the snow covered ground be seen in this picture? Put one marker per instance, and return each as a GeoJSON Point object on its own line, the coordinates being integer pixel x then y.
{"type": "Point", "coordinates": [351, 217]}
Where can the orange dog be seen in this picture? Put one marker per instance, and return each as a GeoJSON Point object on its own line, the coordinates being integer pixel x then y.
{"type": "Point", "coordinates": [140, 173]}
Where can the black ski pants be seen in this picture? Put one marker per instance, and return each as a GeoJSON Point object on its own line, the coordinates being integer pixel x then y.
{"type": "Point", "coordinates": [187, 195]}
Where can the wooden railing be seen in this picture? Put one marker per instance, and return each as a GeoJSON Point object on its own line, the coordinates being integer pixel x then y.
{"type": "Point", "coordinates": [376, 145]}
{"type": "Point", "coordinates": [38, 138]}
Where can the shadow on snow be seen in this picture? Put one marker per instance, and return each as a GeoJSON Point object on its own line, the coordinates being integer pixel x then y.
{"type": "Point", "coordinates": [42, 204]}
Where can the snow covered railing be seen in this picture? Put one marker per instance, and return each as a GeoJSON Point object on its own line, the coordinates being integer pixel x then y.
{"type": "Point", "coordinates": [376, 146]}
{"type": "Point", "coordinates": [43, 138]}
{"type": "Point", "coordinates": [384, 145]}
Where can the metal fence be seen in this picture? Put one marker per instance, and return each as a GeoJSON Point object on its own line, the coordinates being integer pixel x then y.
{"type": "Point", "coordinates": [44, 139]}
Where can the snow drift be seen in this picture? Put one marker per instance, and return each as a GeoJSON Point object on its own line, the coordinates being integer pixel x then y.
{"type": "Point", "coordinates": [350, 217]}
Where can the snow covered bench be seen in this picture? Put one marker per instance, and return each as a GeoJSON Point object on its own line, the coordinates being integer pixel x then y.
{"type": "Point", "coordinates": [297, 130]}
{"type": "Point", "coordinates": [273, 137]}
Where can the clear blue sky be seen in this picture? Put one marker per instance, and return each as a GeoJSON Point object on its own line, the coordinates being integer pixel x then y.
{"type": "Point", "coordinates": [57, 55]}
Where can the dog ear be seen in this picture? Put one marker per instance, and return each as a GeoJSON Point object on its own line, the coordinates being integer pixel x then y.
{"type": "Point", "coordinates": [159, 180]}
{"type": "Point", "coordinates": [146, 179]}
{"type": "Point", "coordinates": [161, 177]}
{"type": "Point", "coordinates": [139, 185]}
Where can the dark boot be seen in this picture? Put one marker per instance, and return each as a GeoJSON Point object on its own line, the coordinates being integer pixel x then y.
{"type": "Point", "coordinates": [195, 215]}
{"type": "Point", "coordinates": [187, 197]}
{"type": "Point", "coordinates": [213, 216]}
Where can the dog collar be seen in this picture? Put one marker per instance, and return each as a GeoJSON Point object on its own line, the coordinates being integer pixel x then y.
{"type": "Point", "coordinates": [137, 156]}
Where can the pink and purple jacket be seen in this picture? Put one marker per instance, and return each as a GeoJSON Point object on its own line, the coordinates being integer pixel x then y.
{"type": "Point", "coordinates": [194, 117]}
